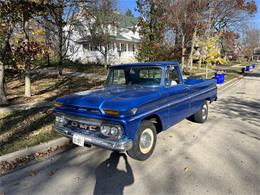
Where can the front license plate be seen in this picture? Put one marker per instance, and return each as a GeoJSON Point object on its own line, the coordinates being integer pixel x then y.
{"type": "Point", "coordinates": [78, 140]}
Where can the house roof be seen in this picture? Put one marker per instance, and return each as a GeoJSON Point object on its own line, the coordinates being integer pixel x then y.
{"type": "Point", "coordinates": [127, 21]}
{"type": "Point", "coordinates": [128, 38]}
{"type": "Point", "coordinates": [118, 37]}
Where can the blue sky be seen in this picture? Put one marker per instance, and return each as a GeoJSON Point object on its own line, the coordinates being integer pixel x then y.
{"type": "Point", "coordinates": [123, 5]}
{"type": "Point", "coordinates": [256, 19]}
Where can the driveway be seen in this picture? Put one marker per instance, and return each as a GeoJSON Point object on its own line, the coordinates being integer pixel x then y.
{"type": "Point", "coordinates": [221, 156]}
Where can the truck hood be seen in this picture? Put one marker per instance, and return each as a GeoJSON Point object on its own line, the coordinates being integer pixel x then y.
{"type": "Point", "coordinates": [121, 98]}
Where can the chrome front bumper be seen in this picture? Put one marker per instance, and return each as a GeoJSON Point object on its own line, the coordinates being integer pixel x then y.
{"type": "Point", "coordinates": [120, 145]}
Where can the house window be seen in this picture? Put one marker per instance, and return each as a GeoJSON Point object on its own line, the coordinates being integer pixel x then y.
{"type": "Point", "coordinates": [72, 49]}
{"type": "Point", "coordinates": [86, 46]}
{"type": "Point", "coordinates": [113, 46]}
{"type": "Point", "coordinates": [93, 48]}
{"type": "Point", "coordinates": [123, 47]}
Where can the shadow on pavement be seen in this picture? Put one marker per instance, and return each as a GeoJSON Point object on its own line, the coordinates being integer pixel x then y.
{"type": "Point", "coordinates": [111, 180]}
{"type": "Point", "coordinates": [237, 108]}
{"type": "Point", "coordinates": [253, 74]}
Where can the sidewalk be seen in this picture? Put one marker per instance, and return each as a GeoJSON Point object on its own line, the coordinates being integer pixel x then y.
{"type": "Point", "coordinates": [19, 107]}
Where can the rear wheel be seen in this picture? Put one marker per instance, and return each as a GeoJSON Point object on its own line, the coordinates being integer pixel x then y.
{"type": "Point", "coordinates": [202, 115]}
{"type": "Point", "coordinates": [145, 142]}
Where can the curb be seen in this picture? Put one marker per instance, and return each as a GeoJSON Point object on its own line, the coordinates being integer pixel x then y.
{"type": "Point", "coordinates": [230, 82]}
{"type": "Point", "coordinates": [19, 159]}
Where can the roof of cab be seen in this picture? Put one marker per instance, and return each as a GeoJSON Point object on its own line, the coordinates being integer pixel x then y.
{"type": "Point", "coordinates": [159, 63]}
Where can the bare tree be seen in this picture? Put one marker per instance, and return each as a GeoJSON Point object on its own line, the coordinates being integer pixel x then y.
{"type": "Point", "coordinates": [3, 50]}
{"type": "Point", "coordinates": [27, 48]}
{"type": "Point", "coordinates": [177, 22]}
{"type": "Point", "coordinates": [230, 13]}
{"type": "Point", "coordinates": [250, 41]}
{"type": "Point", "coordinates": [61, 13]}
{"type": "Point", "coordinates": [8, 18]}
{"type": "Point", "coordinates": [98, 26]}
{"type": "Point", "coordinates": [153, 27]}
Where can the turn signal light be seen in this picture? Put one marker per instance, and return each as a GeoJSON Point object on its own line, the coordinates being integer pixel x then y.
{"type": "Point", "coordinates": [112, 112]}
{"type": "Point", "coordinates": [57, 104]}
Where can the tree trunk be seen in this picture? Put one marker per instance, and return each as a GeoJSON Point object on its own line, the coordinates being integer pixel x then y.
{"type": "Point", "coordinates": [182, 51]}
{"type": "Point", "coordinates": [200, 61]}
{"type": "Point", "coordinates": [27, 61]}
{"type": "Point", "coordinates": [27, 83]}
{"type": "Point", "coordinates": [3, 99]}
{"type": "Point", "coordinates": [194, 37]}
{"type": "Point", "coordinates": [207, 66]}
{"type": "Point", "coordinates": [60, 34]}
{"type": "Point", "coordinates": [48, 60]}
{"type": "Point", "coordinates": [60, 62]}
{"type": "Point", "coordinates": [106, 57]}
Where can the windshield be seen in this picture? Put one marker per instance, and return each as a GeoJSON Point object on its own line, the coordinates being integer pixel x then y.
{"type": "Point", "coordinates": [141, 75]}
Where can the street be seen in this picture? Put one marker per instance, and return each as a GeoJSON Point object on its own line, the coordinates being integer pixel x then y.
{"type": "Point", "coordinates": [221, 156]}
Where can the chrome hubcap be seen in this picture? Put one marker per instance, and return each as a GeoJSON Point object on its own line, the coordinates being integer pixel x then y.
{"type": "Point", "coordinates": [204, 111]}
{"type": "Point", "coordinates": [146, 141]}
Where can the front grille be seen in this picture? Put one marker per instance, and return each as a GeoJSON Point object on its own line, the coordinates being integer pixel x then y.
{"type": "Point", "coordinates": [84, 126]}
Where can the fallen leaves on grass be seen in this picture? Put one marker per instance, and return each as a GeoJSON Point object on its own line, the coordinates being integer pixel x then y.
{"type": "Point", "coordinates": [6, 166]}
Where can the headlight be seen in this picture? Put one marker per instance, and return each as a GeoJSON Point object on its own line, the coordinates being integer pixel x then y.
{"type": "Point", "coordinates": [105, 130]}
{"type": "Point", "coordinates": [114, 131]}
{"type": "Point", "coordinates": [111, 131]}
{"type": "Point", "coordinates": [60, 120]}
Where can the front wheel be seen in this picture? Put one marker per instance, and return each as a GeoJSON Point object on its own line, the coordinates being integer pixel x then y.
{"type": "Point", "coordinates": [145, 142]}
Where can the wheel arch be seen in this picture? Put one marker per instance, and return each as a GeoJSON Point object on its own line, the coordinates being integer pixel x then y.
{"type": "Point", "coordinates": [211, 99]}
{"type": "Point", "coordinates": [156, 120]}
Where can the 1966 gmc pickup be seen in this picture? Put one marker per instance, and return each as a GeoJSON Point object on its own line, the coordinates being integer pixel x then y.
{"type": "Point", "coordinates": [136, 103]}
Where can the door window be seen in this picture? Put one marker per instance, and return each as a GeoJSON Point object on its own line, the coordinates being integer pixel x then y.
{"type": "Point", "coordinates": [172, 76]}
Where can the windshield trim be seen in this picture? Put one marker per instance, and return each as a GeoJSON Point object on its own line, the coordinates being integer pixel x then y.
{"type": "Point", "coordinates": [129, 66]}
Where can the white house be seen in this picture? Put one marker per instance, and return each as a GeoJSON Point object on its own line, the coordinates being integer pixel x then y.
{"type": "Point", "coordinates": [256, 55]}
{"type": "Point", "coordinates": [123, 49]}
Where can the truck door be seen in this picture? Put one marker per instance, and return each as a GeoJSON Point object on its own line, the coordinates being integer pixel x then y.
{"type": "Point", "coordinates": [177, 95]}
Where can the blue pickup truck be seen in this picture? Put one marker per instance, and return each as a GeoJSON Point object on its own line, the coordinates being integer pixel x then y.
{"type": "Point", "coordinates": [137, 102]}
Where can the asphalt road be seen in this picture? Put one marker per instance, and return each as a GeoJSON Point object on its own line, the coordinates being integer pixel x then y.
{"type": "Point", "coordinates": [221, 156]}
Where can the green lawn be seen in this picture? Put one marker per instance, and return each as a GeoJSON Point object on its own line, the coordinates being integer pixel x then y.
{"type": "Point", "coordinates": [30, 127]}
{"type": "Point", "coordinates": [26, 128]}
{"type": "Point", "coordinates": [76, 66]}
